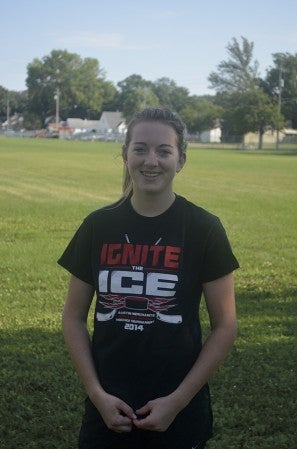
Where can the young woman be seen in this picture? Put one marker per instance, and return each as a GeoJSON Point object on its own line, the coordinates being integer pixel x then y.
{"type": "Point", "coordinates": [148, 258]}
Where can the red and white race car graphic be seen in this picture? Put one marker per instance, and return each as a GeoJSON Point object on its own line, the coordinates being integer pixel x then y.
{"type": "Point", "coordinates": [138, 303]}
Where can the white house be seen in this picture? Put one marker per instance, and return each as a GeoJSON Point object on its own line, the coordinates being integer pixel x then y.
{"type": "Point", "coordinates": [79, 125]}
{"type": "Point", "coordinates": [211, 135]}
{"type": "Point", "coordinates": [112, 122]}
{"type": "Point", "coordinates": [14, 122]}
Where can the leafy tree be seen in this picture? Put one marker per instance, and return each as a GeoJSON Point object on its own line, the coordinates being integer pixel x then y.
{"type": "Point", "coordinates": [200, 114]}
{"type": "Point", "coordinates": [247, 107]}
{"type": "Point", "coordinates": [15, 101]}
{"type": "Point", "coordinates": [78, 82]}
{"type": "Point", "coordinates": [18, 101]}
{"type": "Point", "coordinates": [31, 121]}
{"type": "Point", "coordinates": [239, 72]}
{"type": "Point", "coordinates": [281, 84]}
{"type": "Point", "coordinates": [170, 95]}
{"type": "Point", "coordinates": [250, 111]}
{"type": "Point", "coordinates": [135, 94]}
{"type": "Point", "coordinates": [110, 97]}
{"type": "Point", "coordinates": [3, 101]}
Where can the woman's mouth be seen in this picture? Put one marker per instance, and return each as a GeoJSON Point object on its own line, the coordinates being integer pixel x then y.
{"type": "Point", "coordinates": [149, 174]}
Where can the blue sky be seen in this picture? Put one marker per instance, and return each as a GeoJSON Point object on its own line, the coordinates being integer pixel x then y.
{"type": "Point", "coordinates": [182, 40]}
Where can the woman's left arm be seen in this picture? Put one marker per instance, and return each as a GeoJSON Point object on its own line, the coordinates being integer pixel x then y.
{"type": "Point", "coordinates": [220, 302]}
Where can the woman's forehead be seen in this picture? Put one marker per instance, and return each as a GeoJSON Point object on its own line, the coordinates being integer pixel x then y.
{"type": "Point", "coordinates": [153, 130]}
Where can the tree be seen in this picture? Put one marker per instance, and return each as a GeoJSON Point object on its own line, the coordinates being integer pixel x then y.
{"type": "Point", "coordinates": [3, 101]}
{"type": "Point", "coordinates": [110, 97]}
{"type": "Point", "coordinates": [78, 82]}
{"type": "Point", "coordinates": [200, 114]}
{"type": "Point", "coordinates": [12, 101]}
{"type": "Point", "coordinates": [135, 94]}
{"type": "Point", "coordinates": [239, 72]}
{"type": "Point", "coordinates": [247, 107]}
{"type": "Point", "coordinates": [250, 111]}
{"type": "Point", "coordinates": [170, 95]}
{"type": "Point", "coordinates": [281, 84]}
{"type": "Point", "coordinates": [31, 121]}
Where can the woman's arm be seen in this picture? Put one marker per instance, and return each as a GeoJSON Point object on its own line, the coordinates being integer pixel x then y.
{"type": "Point", "coordinates": [220, 301]}
{"type": "Point", "coordinates": [116, 413]}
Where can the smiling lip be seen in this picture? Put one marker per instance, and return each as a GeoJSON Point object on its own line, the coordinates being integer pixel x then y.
{"type": "Point", "coordinates": [150, 174]}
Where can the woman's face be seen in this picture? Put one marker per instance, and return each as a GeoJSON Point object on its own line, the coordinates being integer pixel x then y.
{"type": "Point", "coordinates": [152, 157]}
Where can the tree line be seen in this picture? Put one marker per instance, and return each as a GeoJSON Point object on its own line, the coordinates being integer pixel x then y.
{"type": "Point", "coordinates": [242, 100]}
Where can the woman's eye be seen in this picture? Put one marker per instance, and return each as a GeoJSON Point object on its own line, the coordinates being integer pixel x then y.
{"type": "Point", "coordinates": [164, 152]}
{"type": "Point", "coordinates": [139, 150]}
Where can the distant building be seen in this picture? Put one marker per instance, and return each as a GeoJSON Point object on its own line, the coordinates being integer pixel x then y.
{"type": "Point", "coordinates": [286, 135]}
{"type": "Point", "coordinates": [79, 125]}
{"type": "Point", "coordinates": [111, 126]}
{"type": "Point", "coordinates": [211, 135]}
{"type": "Point", "coordinates": [14, 122]}
{"type": "Point", "coordinates": [112, 122]}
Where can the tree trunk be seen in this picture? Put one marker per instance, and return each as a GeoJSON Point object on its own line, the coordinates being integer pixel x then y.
{"type": "Point", "coordinates": [260, 144]}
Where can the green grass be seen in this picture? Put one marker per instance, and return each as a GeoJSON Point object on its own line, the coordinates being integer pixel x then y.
{"type": "Point", "coordinates": [46, 188]}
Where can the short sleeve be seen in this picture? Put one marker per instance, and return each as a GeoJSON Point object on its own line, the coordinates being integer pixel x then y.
{"type": "Point", "coordinates": [77, 257]}
{"type": "Point", "coordinates": [219, 259]}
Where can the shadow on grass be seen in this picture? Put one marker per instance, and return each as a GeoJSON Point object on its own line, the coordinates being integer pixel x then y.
{"type": "Point", "coordinates": [41, 397]}
{"type": "Point", "coordinates": [270, 152]}
{"type": "Point", "coordinates": [253, 392]}
{"type": "Point", "coordinates": [267, 314]}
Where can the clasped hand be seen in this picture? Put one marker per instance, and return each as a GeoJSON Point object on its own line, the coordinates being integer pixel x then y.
{"type": "Point", "coordinates": [156, 415]}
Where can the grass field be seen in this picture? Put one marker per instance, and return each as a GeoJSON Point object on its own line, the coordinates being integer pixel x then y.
{"type": "Point", "coordinates": [46, 188]}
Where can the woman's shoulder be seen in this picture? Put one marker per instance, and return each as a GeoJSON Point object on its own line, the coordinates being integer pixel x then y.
{"type": "Point", "coordinates": [106, 212]}
{"type": "Point", "coordinates": [196, 212]}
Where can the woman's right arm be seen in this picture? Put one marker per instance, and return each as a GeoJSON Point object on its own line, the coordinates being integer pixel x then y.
{"type": "Point", "coordinates": [116, 414]}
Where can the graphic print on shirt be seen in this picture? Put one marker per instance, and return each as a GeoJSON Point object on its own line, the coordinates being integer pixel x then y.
{"type": "Point", "coordinates": [137, 284]}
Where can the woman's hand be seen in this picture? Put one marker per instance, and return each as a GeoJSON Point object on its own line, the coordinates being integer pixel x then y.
{"type": "Point", "coordinates": [157, 415]}
{"type": "Point", "coordinates": [117, 415]}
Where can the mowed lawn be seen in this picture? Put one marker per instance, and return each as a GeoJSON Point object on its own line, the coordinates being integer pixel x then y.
{"type": "Point", "coordinates": [47, 187]}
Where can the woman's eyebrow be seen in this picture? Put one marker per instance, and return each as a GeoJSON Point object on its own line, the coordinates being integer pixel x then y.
{"type": "Point", "coordinates": [159, 146]}
{"type": "Point", "coordinates": [139, 143]}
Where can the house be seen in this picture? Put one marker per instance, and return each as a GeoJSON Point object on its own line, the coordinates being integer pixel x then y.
{"type": "Point", "coordinates": [252, 139]}
{"type": "Point", "coordinates": [79, 125]}
{"type": "Point", "coordinates": [112, 123]}
{"type": "Point", "coordinates": [110, 126]}
{"type": "Point", "coordinates": [270, 136]}
{"type": "Point", "coordinates": [211, 135]}
{"type": "Point", "coordinates": [289, 135]}
{"type": "Point", "coordinates": [14, 122]}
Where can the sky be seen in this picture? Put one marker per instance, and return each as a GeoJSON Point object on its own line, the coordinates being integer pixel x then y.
{"type": "Point", "coordinates": [183, 40]}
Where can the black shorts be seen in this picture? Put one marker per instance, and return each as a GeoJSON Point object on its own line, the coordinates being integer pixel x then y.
{"type": "Point", "coordinates": [95, 435]}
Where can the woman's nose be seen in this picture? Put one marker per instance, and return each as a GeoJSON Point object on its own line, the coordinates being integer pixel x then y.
{"type": "Point", "coordinates": [151, 158]}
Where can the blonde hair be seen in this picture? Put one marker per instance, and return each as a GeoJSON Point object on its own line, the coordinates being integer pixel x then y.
{"type": "Point", "coordinates": [162, 115]}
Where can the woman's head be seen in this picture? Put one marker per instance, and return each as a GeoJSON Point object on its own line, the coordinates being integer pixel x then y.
{"type": "Point", "coordinates": [160, 115]}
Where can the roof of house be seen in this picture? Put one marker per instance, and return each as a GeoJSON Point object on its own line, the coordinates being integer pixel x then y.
{"type": "Point", "coordinates": [79, 123]}
{"type": "Point", "coordinates": [287, 131]}
{"type": "Point", "coordinates": [114, 119]}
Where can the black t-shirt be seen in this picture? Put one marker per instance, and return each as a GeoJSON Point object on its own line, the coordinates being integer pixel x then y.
{"type": "Point", "coordinates": [148, 274]}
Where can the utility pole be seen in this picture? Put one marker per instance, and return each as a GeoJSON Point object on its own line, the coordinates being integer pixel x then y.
{"type": "Point", "coordinates": [280, 88]}
{"type": "Point", "coordinates": [7, 114]}
{"type": "Point", "coordinates": [57, 98]}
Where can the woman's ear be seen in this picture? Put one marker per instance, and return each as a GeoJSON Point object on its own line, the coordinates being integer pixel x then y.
{"type": "Point", "coordinates": [124, 154]}
{"type": "Point", "coordinates": [181, 162]}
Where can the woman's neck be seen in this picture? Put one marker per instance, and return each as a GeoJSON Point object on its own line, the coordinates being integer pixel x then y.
{"type": "Point", "coordinates": [151, 205]}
